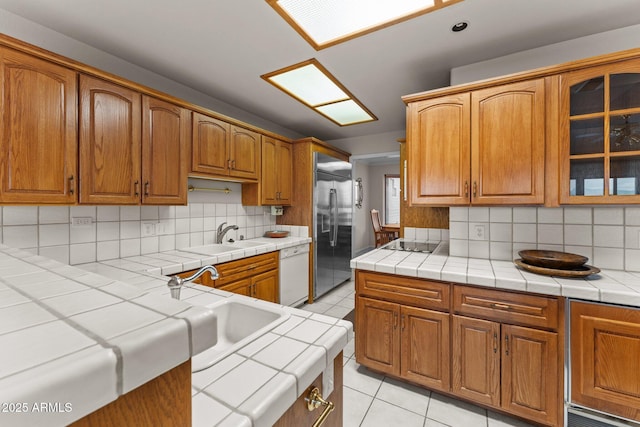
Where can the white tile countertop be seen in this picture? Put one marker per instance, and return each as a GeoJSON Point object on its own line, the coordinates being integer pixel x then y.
{"type": "Point", "coordinates": [52, 316]}
{"type": "Point", "coordinates": [608, 286]}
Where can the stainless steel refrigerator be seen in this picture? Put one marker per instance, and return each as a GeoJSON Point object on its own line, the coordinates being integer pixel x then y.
{"type": "Point", "coordinates": [333, 211]}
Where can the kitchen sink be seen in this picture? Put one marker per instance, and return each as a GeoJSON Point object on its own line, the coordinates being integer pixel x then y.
{"type": "Point", "coordinates": [239, 323]}
{"type": "Point", "coordinates": [247, 244]}
{"type": "Point", "coordinates": [213, 249]}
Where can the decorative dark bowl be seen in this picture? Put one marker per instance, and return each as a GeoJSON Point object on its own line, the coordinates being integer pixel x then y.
{"type": "Point", "coordinates": [552, 259]}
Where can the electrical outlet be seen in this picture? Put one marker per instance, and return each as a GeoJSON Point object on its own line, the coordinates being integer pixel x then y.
{"type": "Point", "coordinates": [81, 221]}
{"type": "Point", "coordinates": [160, 228]}
{"type": "Point", "coordinates": [148, 229]}
{"type": "Point", "coordinates": [478, 232]}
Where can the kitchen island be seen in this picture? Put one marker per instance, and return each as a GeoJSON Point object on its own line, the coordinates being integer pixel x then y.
{"type": "Point", "coordinates": [83, 336]}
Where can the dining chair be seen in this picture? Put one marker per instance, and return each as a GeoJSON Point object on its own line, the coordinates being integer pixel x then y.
{"type": "Point", "coordinates": [382, 236]}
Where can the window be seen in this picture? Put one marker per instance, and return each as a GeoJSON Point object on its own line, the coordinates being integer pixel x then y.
{"type": "Point", "coordinates": [392, 199]}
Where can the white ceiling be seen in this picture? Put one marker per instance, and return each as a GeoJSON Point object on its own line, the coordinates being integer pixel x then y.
{"type": "Point", "coordinates": [221, 47]}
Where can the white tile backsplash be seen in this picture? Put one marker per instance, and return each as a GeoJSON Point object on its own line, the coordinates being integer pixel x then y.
{"type": "Point", "coordinates": [609, 236]}
{"type": "Point", "coordinates": [116, 231]}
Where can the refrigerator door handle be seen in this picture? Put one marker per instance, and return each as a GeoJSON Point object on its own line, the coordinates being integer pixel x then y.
{"type": "Point", "coordinates": [333, 223]}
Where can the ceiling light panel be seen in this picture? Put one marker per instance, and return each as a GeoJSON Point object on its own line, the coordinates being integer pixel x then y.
{"type": "Point", "coordinates": [345, 112]}
{"type": "Point", "coordinates": [324, 23]}
{"type": "Point", "coordinates": [312, 84]}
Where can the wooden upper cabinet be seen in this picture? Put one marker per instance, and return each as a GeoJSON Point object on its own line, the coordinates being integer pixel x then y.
{"type": "Point", "coordinates": [508, 144]}
{"type": "Point", "coordinates": [244, 153]}
{"type": "Point", "coordinates": [438, 150]}
{"type": "Point", "coordinates": [165, 152]}
{"type": "Point", "coordinates": [110, 143]}
{"type": "Point", "coordinates": [600, 134]}
{"type": "Point", "coordinates": [210, 145]}
{"type": "Point", "coordinates": [277, 170]}
{"type": "Point", "coordinates": [221, 149]}
{"type": "Point", "coordinates": [485, 147]}
{"type": "Point", "coordinates": [38, 124]}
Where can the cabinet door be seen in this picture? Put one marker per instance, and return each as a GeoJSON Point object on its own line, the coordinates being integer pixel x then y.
{"type": "Point", "coordinates": [476, 360]}
{"type": "Point", "coordinates": [508, 144]}
{"type": "Point", "coordinates": [605, 355]}
{"type": "Point", "coordinates": [425, 347]}
{"type": "Point", "coordinates": [284, 157]}
{"type": "Point", "coordinates": [244, 152]}
{"type": "Point", "coordinates": [165, 152]}
{"type": "Point", "coordinates": [438, 151]}
{"type": "Point", "coordinates": [210, 144]}
{"type": "Point", "coordinates": [530, 373]}
{"type": "Point", "coordinates": [38, 127]}
{"type": "Point", "coordinates": [265, 286]}
{"type": "Point", "coordinates": [378, 343]}
{"type": "Point", "coordinates": [599, 134]}
{"type": "Point", "coordinates": [110, 141]}
{"type": "Point", "coordinates": [241, 287]}
{"type": "Point", "coordinates": [269, 175]}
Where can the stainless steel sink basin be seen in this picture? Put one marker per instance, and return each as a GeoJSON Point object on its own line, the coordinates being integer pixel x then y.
{"type": "Point", "coordinates": [239, 323]}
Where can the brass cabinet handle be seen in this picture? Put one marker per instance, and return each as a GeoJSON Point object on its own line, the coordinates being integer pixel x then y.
{"type": "Point", "coordinates": [475, 189]}
{"type": "Point", "coordinates": [228, 163]}
{"type": "Point", "coordinates": [135, 188]}
{"type": "Point", "coordinates": [506, 341]}
{"type": "Point", "coordinates": [402, 322]}
{"type": "Point", "coordinates": [466, 189]}
{"type": "Point", "coordinates": [233, 164]}
{"type": "Point", "coordinates": [495, 342]}
{"type": "Point", "coordinates": [72, 187]}
{"type": "Point", "coordinates": [499, 306]}
{"type": "Point", "coordinates": [314, 401]}
{"type": "Point", "coordinates": [395, 320]}
{"type": "Point", "coordinates": [146, 188]}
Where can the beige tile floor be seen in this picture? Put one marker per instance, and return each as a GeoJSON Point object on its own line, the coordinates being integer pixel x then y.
{"type": "Point", "coordinates": [375, 400]}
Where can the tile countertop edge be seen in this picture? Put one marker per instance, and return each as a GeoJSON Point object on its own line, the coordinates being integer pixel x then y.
{"type": "Point", "coordinates": [147, 284]}
{"type": "Point", "coordinates": [608, 286]}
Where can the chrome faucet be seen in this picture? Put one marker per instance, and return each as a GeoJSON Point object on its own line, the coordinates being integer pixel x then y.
{"type": "Point", "coordinates": [222, 231]}
{"type": "Point", "coordinates": [175, 283]}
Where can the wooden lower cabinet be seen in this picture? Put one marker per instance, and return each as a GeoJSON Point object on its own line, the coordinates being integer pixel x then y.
{"type": "Point", "coordinates": [506, 366]}
{"type": "Point", "coordinates": [496, 348]}
{"type": "Point", "coordinates": [476, 361]}
{"type": "Point", "coordinates": [406, 342]}
{"type": "Point", "coordinates": [299, 415]}
{"type": "Point", "coordinates": [163, 401]}
{"type": "Point", "coordinates": [255, 276]}
{"type": "Point", "coordinates": [605, 358]}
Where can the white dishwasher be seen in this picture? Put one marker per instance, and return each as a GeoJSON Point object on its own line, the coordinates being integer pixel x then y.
{"type": "Point", "coordinates": [294, 275]}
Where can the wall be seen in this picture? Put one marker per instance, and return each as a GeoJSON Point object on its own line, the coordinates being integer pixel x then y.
{"type": "Point", "coordinates": [377, 174]}
{"type": "Point", "coordinates": [117, 231]}
{"type": "Point", "coordinates": [30, 32]}
{"type": "Point", "coordinates": [609, 236]}
{"type": "Point", "coordinates": [370, 144]}
{"type": "Point", "coordinates": [362, 231]}
{"type": "Point", "coordinates": [583, 47]}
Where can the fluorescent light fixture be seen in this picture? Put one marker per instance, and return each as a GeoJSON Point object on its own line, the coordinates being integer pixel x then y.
{"type": "Point", "coordinates": [310, 83]}
{"type": "Point", "coordinates": [324, 23]}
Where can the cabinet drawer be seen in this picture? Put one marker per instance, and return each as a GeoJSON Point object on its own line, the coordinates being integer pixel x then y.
{"type": "Point", "coordinates": [505, 306]}
{"type": "Point", "coordinates": [246, 267]}
{"type": "Point", "coordinates": [403, 290]}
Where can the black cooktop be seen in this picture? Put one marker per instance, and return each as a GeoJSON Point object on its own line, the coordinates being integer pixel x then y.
{"type": "Point", "coordinates": [409, 246]}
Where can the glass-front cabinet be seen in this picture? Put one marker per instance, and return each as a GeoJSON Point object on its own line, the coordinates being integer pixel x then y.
{"type": "Point", "coordinates": [600, 134]}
